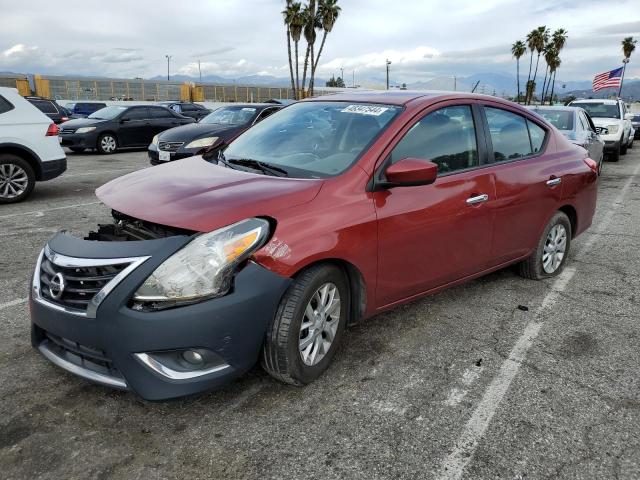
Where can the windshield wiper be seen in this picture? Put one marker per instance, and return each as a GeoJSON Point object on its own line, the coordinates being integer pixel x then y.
{"type": "Point", "coordinates": [258, 165]}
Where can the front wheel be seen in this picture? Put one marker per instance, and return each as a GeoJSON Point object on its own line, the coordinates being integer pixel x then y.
{"type": "Point", "coordinates": [17, 179]}
{"type": "Point", "coordinates": [623, 147]}
{"type": "Point", "coordinates": [550, 256]}
{"type": "Point", "coordinates": [107, 144]}
{"type": "Point", "coordinates": [615, 155]}
{"type": "Point", "coordinates": [308, 326]}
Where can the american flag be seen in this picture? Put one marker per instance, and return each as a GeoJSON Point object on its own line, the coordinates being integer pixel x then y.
{"type": "Point", "coordinates": [607, 79]}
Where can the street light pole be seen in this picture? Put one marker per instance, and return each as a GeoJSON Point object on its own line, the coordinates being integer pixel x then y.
{"type": "Point", "coordinates": [168, 62]}
{"type": "Point", "coordinates": [342, 74]}
{"type": "Point", "coordinates": [388, 63]}
{"type": "Point", "coordinates": [199, 71]}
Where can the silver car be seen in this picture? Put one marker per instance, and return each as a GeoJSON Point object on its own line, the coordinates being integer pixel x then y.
{"type": "Point", "coordinates": [575, 124]}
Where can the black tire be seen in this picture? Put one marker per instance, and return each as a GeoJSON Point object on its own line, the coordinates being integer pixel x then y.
{"type": "Point", "coordinates": [615, 155]}
{"type": "Point", "coordinates": [623, 147]}
{"type": "Point", "coordinates": [100, 145]}
{"type": "Point", "coordinates": [77, 149]}
{"type": "Point", "coordinates": [532, 267]}
{"type": "Point", "coordinates": [631, 144]}
{"type": "Point", "coordinates": [281, 356]}
{"type": "Point", "coordinates": [6, 162]}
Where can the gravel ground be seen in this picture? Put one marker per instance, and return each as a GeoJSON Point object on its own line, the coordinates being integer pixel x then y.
{"type": "Point", "coordinates": [463, 383]}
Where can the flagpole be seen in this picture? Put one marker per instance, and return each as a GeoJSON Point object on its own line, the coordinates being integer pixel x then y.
{"type": "Point", "coordinates": [624, 67]}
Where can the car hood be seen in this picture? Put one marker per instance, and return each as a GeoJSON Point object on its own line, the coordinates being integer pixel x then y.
{"type": "Point", "coordinates": [193, 131]}
{"type": "Point", "coordinates": [604, 121]}
{"type": "Point", "coordinates": [197, 195]}
{"type": "Point", "coordinates": [81, 122]}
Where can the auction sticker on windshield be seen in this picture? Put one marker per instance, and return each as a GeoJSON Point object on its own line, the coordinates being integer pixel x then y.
{"type": "Point", "coordinates": [365, 110]}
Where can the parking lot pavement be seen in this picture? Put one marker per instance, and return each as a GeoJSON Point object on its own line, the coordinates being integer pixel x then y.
{"type": "Point", "coordinates": [459, 384]}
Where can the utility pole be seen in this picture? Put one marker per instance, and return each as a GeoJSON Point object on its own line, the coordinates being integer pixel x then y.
{"type": "Point", "coordinates": [342, 74]}
{"type": "Point", "coordinates": [168, 57]}
{"type": "Point", "coordinates": [353, 79]}
{"type": "Point", "coordinates": [388, 63]}
{"type": "Point", "coordinates": [455, 83]}
{"type": "Point", "coordinates": [200, 71]}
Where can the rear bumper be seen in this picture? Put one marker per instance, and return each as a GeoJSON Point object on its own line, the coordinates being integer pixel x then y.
{"type": "Point", "coordinates": [103, 349]}
{"type": "Point", "coordinates": [53, 168]}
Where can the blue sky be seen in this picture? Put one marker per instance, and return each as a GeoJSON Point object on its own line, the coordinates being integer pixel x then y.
{"type": "Point", "coordinates": [423, 39]}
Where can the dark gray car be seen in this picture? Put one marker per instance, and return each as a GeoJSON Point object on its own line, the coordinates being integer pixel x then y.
{"type": "Point", "coordinates": [575, 124]}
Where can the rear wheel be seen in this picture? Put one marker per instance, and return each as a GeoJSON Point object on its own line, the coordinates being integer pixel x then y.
{"type": "Point", "coordinates": [550, 256]}
{"type": "Point", "coordinates": [107, 143]}
{"type": "Point", "coordinates": [308, 326]}
{"type": "Point", "coordinates": [17, 179]}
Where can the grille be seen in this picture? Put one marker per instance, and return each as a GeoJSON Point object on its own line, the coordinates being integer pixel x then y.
{"type": "Point", "coordinates": [67, 131]}
{"type": "Point", "coordinates": [80, 283]}
{"type": "Point", "coordinates": [89, 358]}
{"type": "Point", "coordinates": [170, 146]}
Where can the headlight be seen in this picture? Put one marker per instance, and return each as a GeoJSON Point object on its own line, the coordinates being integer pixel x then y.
{"type": "Point", "coordinates": [155, 140]}
{"type": "Point", "coordinates": [202, 142]}
{"type": "Point", "coordinates": [612, 128]}
{"type": "Point", "coordinates": [203, 268]}
{"type": "Point", "coordinates": [85, 129]}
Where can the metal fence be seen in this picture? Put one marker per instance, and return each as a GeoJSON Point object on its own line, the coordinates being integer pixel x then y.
{"type": "Point", "coordinates": [85, 88]}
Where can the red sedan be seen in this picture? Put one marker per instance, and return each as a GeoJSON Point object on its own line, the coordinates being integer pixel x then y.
{"type": "Point", "coordinates": [327, 212]}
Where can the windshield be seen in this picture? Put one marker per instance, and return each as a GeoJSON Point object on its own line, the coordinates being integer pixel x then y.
{"type": "Point", "coordinates": [561, 119]}
{"type": "Point", "coordinates": [231, 116]}
{"type": "Point", "coordinates": [599, 110]}
{"type": "Point", "coordinates": [107, 113]}
{"type": "Point", "coordinates": [313, 139]}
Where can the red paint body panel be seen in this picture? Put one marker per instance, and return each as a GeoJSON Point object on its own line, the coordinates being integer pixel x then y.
{"type": "Point", "coordinates": [404, 241]}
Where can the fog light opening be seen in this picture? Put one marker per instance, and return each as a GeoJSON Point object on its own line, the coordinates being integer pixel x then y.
{"type": "Point", "coordinates": [192, 357]}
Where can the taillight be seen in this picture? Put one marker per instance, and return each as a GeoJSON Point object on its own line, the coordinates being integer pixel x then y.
{"type": "Point", "coordinates": [52, 131]}
{"type": "Point", "coordinates": [591, 164]}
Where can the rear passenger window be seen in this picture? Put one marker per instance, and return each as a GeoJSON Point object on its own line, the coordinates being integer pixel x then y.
{"type": "Point", "coordinates": [5, 106]}
{"type": "Point", "coordinates": [537, 135]}
{"type": "Point", "coordinates": [45, 107]}
{"type": "Point", "coordinates": [445, 137]}
{"type": "Point", "coordinates": [509, 134]}
{"type": "Point", "coordinates": [137, 114]}
{"type": "Point", "coordinates": [160, 113]}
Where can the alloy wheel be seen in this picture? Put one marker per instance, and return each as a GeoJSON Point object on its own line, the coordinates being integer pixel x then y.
{"type": "Point", "coordinates": [108, 144]}
{"type": "Point", "coordinates": [554, 248]}
{"type": "Point", "coordinates": [14, 181]}
{"type": "Point", "coordinates": [319, 324]}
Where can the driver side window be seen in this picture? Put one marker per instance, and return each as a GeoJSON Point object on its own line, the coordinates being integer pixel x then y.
{"type": "Point", "coordinates": [445, 137]}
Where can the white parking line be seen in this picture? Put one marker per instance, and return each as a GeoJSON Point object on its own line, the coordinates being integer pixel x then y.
{"type": "Point", "coordinates": [40, 212]}
{"type": "Point", "coordinates": [454, 464]}
{"type": "Point", "coordinates": [12, 303]}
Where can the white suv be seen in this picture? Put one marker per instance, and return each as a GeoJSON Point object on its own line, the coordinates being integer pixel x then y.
{"type": "Point", "coordinates": [613, 123]}
{"type": "Point", "coordinates": [30, 150]}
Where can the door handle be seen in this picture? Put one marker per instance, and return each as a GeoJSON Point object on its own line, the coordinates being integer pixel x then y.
{"type": "Point", "coordinates": [477, 199]}
{"type": "Point", "coordinates": [554, 181]}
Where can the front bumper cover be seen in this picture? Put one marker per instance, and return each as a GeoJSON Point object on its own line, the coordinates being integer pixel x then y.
{"type": "Point", "coordinates": [233, 326]}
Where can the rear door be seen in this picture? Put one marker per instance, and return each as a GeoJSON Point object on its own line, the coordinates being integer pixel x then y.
{"type": "Point", "coordinates": [161, 120]}
{"type": "Point", "coordinates": [528, 180]}
{"type": "Point", "coordinates": [431, 235]}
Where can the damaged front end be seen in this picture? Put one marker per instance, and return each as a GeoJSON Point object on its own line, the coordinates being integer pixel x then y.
{"type": "Point", "coordinates": [160, 310]}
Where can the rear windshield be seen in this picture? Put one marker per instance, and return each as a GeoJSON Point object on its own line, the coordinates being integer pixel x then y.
{"type": "Point", "coordinates": [561, 119]}
{"type": "Point", "coordinates": [108, 113]}
{"type": "Point", "coordinates": [599, 110]}
{"type": "Point", "coordinates": [45, 107]}
{"type": "Point", "coordinates": [313, 139]}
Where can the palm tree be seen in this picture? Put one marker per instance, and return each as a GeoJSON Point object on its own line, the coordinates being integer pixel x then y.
{"type": "Point", "coordinates": [328, 13]}
{"type": "Point", "coordinates": [296, 24]}
{"type": "Point", "coordinates": [309, 13]}
{"type": "Point", "coordinates": [288, 13]}
{"type": "Point", "coordinates": [541, 38]}
{"type": "Point", "coordinates": [518, 49]}
{"type": "Point", "coordinates": [558, 40]}
{"type": "Point", "coordinates": [628, 46]}
{"type": "Point", "coordinates": [553, 67]}
{"type": "Point", "coordinates": [531, 43]}
{"type": "Point", "coordinates": [550, 53]}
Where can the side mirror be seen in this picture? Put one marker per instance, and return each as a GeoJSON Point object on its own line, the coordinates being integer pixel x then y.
{"type": "Point", "coordinates": [410, 172]}
{"type": "Point", "coordinates": [628, 116]}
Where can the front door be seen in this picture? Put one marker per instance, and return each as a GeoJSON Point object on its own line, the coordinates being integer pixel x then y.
{"type": "Point", "coordinates": [429, 236]}
{"type": "Point", "coordinates": [134, 122]}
